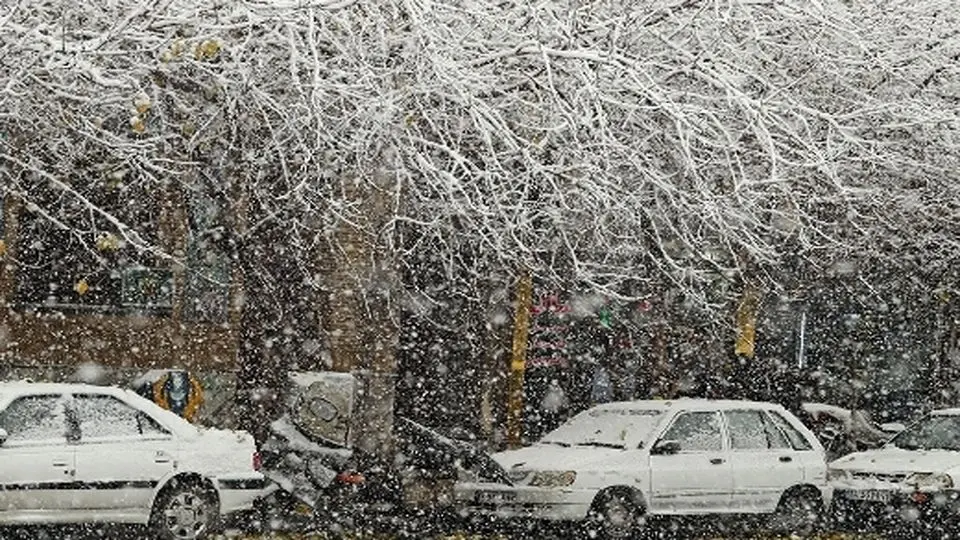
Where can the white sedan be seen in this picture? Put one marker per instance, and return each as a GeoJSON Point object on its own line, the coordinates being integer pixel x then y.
{"type": "Point", "coordinates": [915, 477]}
{"type": "Point", "coordinates": [74, 453]}
{"type": "Point", "coordinates": [616, 464]}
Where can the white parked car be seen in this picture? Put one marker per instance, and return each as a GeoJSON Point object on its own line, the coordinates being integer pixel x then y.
{"type": "Point", "coordinates": [616, 464]}
{"type": "Point", "coordinates": [913, 477]}
{"type": "Point", "coordinates": [74, 453]}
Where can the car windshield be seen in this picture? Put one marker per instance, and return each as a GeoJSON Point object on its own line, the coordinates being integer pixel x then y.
{"type": "Point", "coordinates": [937, 432]}
{"type": "Point", "coordinates": [606, 428]}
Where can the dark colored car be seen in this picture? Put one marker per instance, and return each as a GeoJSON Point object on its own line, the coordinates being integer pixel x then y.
{"type": "Point", "coordinates": [324, 486]}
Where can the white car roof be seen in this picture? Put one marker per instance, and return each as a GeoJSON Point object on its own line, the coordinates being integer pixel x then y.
{"type": "Point", "coordinates": [10, 390]}
{"type": "Point", "coordinates": [691, 403]}
{"type": "Point", "coordinates": [30, 387]}
{"type": "Point", "coordinates": [946, 412]}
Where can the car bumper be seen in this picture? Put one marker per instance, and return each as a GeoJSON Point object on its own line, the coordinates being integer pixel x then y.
{"type": "Point", "coordinates": [238, 493]}
{"type": "Point", "coordinates": [499, 500]}
{"type": "Point", "coordinates": [858, 509]}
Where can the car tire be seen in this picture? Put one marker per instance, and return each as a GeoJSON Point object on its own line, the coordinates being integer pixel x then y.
{"type": "Point", "coordinates": [800, 512]}
{"type": "Point", "coordinates": [185, 510]}
{"type": "Point", "coordinates": [615, 515]}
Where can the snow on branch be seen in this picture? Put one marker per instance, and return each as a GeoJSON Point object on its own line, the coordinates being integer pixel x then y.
{"type": "Point", "coordinates": [678, 138]}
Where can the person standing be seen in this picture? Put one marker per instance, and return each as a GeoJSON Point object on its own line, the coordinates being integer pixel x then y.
{"type": "Point", "coordinates": [553, 406]}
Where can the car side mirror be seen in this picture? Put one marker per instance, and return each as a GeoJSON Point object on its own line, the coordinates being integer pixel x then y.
{"type": "Point", "coordinates": [3, 436]}
{"type": "Point", "coordinates": [666, 448]}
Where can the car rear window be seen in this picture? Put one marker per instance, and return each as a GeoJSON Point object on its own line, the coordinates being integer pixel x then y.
{"type": "Point", "coordinates": [797, 440]}
{"type": "Point", "coordinates": [751, 429]}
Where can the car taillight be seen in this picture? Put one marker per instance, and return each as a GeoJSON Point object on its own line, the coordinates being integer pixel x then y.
{"type": "Point", "coordinates": [257, 461]}
{"type": "Point", "coordinates": [350, 477]}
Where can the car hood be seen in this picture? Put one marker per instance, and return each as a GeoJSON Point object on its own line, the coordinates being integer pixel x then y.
{"type": "Point", "coordinates": [896, 460]}
{"type": "Point", "coordinates": [226, 437]}
{"type": "Point", "coordinates": [217, 451]}
{"type": "Point", "coordinates": [544, 457]}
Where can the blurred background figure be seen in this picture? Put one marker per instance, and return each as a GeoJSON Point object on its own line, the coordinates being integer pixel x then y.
{"type": "Point", "coordinates": [553, 406]}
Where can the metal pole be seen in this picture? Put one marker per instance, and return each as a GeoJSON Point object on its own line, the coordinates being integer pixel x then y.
{"type": "Point", "coordinates": [803, 336]}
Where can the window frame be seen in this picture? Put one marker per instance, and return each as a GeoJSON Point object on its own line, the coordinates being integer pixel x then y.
{"type": "Point", "coordinates": [807, 446]}
{"type": "Point", "coordinates": [721, 428]}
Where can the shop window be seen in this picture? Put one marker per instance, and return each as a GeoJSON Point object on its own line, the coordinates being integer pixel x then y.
{"type": "Point", "coordinates": [207, 295]}
{"type": "Point", "coordinates": [74, 259]}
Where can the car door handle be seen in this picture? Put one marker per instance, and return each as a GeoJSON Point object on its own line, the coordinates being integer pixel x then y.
{"type": "Point", "coordinates": [786, 459]}
{"type": "Point", "coordinates": [716, 461]}
{"type": "Point", "coordinates": [60, 463]}
{"type": "Point", "coordinates": [161, 457]}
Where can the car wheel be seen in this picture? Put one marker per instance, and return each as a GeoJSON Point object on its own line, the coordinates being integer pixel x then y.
{"type": "Point", "coordinates": [185, 511]}
{"type": "Point", "coordinates": [614, 516]}
{"type": "Point", "coordinates": [799, 512]}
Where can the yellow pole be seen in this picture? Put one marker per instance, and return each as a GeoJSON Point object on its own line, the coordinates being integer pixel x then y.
{"type": "Point", "coordinates": [518, 361]}
{"type": "Point", "coordinates": [747, 323]}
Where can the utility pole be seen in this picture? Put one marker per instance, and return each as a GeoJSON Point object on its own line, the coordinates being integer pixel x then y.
{"type": "Point", "coordinates": [518, 361]}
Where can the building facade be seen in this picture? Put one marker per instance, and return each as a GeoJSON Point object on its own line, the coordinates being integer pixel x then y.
{"type": "Point", "coordinates": [84, 299]}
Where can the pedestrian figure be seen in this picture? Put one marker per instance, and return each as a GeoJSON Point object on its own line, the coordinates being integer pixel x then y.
{"type": "Point", "coordinates": [601, 388]}
{"type": "Point", "coordinates": [553, 406]}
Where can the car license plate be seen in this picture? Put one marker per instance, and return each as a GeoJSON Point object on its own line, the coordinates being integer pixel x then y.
{"type": "Point", "coordinates": [869, 495]}
{"type": "Point", "coordinates": [495, 497]}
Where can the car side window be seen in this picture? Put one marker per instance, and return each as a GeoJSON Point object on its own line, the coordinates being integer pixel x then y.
{"type": "Point", "coordinates": [797, 440]}
{"type": "Point", "coordinates": [696, 432]}
{"type": "Point", "coordinates": [106, 416]}
{"type": "Point", "coordinates": [35, 418]}
{"type": "Point", "coordinates": [752, 430]}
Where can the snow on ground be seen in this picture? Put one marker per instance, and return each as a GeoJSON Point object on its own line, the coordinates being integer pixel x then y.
{"type": "Point", "coordinates": [466, 536]}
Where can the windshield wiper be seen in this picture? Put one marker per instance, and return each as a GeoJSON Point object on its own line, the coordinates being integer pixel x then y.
{"type": "Point", "coordinates": [907, 446]}
{"type": "Point", "coordinates": [558, 443]}
{"type": "Point", "coordinates": [600, 444]}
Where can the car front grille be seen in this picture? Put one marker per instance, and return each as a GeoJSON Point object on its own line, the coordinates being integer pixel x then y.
{"type": "Point", "coordinates": [891, 478]}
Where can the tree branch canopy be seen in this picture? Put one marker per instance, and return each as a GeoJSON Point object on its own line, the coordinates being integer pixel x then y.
{"type": "Point", "coordinates": [596, 142]}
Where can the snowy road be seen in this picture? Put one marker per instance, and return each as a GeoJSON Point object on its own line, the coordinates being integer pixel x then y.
{"type": "Point", "coordinates": [549, 536]}
{"type": "Point", "coordinates": [126, 533]}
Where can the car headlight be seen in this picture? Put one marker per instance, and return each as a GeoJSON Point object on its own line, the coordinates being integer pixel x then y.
{"type": "Point", "coordinates": [553, 478]}
{"type": "Point", "coordinates": [929, 481]}
{"type": "Point", "coordinates": [837, 474]}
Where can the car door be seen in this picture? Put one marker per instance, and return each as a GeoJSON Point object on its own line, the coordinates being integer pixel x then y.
{"type": "Point", "coordinates": [762, 461]}
{"type": "Point", "coordinates": [36, 460]}
{"type": "Point", "coordinates": [810, 461]}
{"type": "Point", "coordinates": [695, 476]}
{"type": "Point", "coordinates": [122, 453]}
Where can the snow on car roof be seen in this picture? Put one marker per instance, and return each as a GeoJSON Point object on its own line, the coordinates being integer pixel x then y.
{"type": "Point", "coordinates": [30, 387]}
{"type": "Point", "coordinates": [688, 403]}
{"type": "Point", "coordinates": [12, 389]}
{"type": "Point", "coordinates": [818, 409]}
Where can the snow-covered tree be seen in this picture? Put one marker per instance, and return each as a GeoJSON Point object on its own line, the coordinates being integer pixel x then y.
{"type": "Point", "coordinates": [682, 144]}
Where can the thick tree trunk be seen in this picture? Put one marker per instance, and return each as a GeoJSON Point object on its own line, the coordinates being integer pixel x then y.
{"type": "Point", "coordinates": [8, 268]}
{"type": "Point", "coordinates": [343, 267]}
{"type": "Point", "coordinates": [361, 311]}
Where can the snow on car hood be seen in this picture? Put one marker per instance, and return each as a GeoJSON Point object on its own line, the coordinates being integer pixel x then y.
{"type": "Point", "coordinates": [896, 460]}
{"type": "Point", "coordinates": [215, 451]}
{"type": "Point", "coordinates": [225, 437]}
{"type": "Point", "coordinates": [548, 457]}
